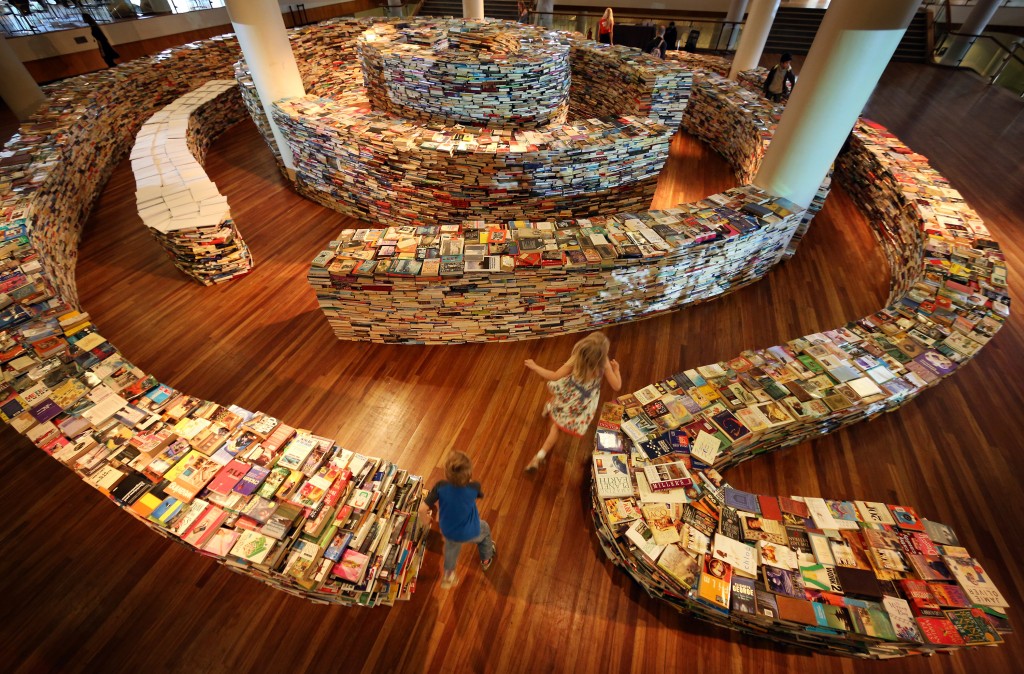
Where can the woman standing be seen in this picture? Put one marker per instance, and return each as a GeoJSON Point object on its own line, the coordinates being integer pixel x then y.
{"type": "Point", "coordinates": [606, 27]}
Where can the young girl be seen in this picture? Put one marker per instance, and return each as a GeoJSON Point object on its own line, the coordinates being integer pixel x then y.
{"type": "Point", "coordinates": [576, 389]}
{"type": "Point", "coordinates": [606, 27]}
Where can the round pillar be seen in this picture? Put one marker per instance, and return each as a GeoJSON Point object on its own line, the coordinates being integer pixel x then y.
{"type": "Point", "coordinates": [976, 22]}
{"type": "Point", "coordinates": [264, 42]}
{"type": "Point", "coordinates": [755, 34]}
{"type": "Point", "coordinates": [737, 8]}
{"type": "Point", "coordinates": [850, 51]}
{"type": "Point", "coordinates": [472, 9]}
{"type": "Point", "coordinates": [17, 87]}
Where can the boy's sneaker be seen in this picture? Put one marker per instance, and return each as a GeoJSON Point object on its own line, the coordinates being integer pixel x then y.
{"type": "Point", "coordinates": [448, 580]}
{"type": "Point", "coordinates": [486, 564]}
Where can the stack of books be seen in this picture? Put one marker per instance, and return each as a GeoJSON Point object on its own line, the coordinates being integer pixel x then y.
{"type": "Point", "coordinates": [356, 155]}
{"type": "Point", "coordinates": [274, 502]}
{"type": "Point", "coordinates": [176, 199]}
{"type": "Point", "coordinates": [384, 169]}
{"type": "Point", "coordinates": [482, 281]}
{"type": "Point", "coordinates": [854, 578]}
{"type": "Point", "coordinates": [55, 167]}
{"type": "Point", "coordinates": [489, 75]}
{"type": "Point", "coordinates": [615, 80]}
{"type": "Point", "coordinates": [293, 509]}
{"type": "Point", "coordinates": [865, 579]}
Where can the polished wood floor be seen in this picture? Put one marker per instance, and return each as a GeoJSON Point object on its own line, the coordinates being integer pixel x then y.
{"type": "Point", "coordinates": [86, 588]}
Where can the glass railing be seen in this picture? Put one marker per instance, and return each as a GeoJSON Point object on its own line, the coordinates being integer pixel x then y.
{"type": "Point", "coordinates": [636, 30]}
{"type": "Point", "coordinates": [28, 17]}
{"type": "Point", "coordinates": [994, 56]}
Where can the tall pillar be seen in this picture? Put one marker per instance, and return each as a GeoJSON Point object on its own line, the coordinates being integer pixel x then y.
{"type": "Point", "coordinates": [755, 34]}
{"type": "Point", "coordinates": [472, 9]}
{"type": "Point", "coordinates": [261, 34]}
{"type": "Point", "coordinates": [737, 8]}
{"type": "Point", "coordinates": [853, 46]}
{"type": "Point", "coordinates": [976, 22]}
{"type": "Point", "coordinates": [17, 87]}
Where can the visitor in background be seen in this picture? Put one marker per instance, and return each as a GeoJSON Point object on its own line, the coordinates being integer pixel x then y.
{"type": "Point", "coordinates": [106, 50]}
{"type": "Point", "coordinates": [606, 27]}
{"type": "Point", "coordinates": [671, 36]}
{"type": "Point", "coordinates": [459, 519]}
{"type": "Point", "coordinates": [575, 390]}
{"type": "Point", "coordinates": [656, 47]}
{"type": "Point", "coordinates": [524, 11]}
{"type": "Point", "coordinates": [780, 80]}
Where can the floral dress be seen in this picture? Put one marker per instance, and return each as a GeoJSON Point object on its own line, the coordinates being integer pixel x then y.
{"type": "Point", "coordinates": [572, 404]}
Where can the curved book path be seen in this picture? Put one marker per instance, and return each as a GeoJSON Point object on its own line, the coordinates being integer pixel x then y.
{"type": "Point", "coordinates": [177, 201]}
{"type": "Point", "coordinates": [848, 577]}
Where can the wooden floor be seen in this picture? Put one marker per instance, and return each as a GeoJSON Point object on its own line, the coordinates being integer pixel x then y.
{"type": "Point", "coordinates": [86, 588]}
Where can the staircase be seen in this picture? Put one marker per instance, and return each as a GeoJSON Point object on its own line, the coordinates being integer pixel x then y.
{"type": "Point", "coordinates": [794, 28]}
{"type": "Point", "coordinates": [493, 9]}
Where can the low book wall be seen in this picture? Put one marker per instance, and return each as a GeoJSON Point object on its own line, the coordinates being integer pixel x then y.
{"type": "Point", "coordinates": [853, 578]}
{"type": "Point", "coordinates": [179, 204]}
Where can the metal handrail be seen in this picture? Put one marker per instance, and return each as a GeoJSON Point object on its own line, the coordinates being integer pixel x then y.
{"type": "Point", "coordinates": [724, 29]}
{"type": "Point", "coordinates": [1009, 50]}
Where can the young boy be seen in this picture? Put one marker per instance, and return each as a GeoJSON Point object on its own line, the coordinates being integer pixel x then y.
{"type": "Point", "coordinates": [459, 519]}
{"type": "Point", "coordinates": [780, 80]}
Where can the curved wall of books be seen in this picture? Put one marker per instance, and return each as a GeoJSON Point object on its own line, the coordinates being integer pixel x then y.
{"type": "Point", "coordinates": [485, 77]}
{"type": "Point", "coordinates": [291, 509]}
{"type": "Point", "coordinates": [489, 280]}
{"type": "Point", "coordinates": [177, 201]}
{"type": "Point", "coordinates": [353, 154]}
{"type": "Point", "coordinates": [856, 578]}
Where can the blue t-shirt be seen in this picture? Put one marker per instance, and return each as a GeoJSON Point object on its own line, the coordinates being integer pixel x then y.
{"type": "Point", "coordinates": [459, 518]}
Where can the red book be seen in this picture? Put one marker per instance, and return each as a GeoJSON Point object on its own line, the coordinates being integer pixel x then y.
{"type": "Point", "coordinates": [770, 507]}
{"type": "Point", "coordinates": [797, 508]}
{"type": "Point", "coordinates": [228, 476]}
{"type": "Point", "coordinates": [940, 631]}
{"type": "Point", "coordinates": [906, 518]}
{"type": "Point", "coordinates": [919, 596]}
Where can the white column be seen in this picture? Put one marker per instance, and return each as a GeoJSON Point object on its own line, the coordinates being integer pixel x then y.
{"type": "Point", "coordinates": [261, 34]}
{"type": "Point", "coordinates": [472, 9]}
{"type": "Point", "coordinates": [976, 22]}
{"type": "Point", "coordinates": [850, 51]}
{"type": "Point", "coordinates": [737, 8]}
{"type": "Point", "coordinates": [755, 34]}
{"type": "Point", "coordinates": [17, 87]}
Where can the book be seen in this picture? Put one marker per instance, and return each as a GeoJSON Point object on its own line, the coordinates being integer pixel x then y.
{"type": "Point", "coordinates": [715, 584]}
{"type": "Point", "coordinates": [974, 581]}
{"type": "Point", "coordinates": [611, 476]}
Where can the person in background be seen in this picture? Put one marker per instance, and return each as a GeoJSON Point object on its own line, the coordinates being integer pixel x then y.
{"type": "Point", "coordinates": [106, 50]}
{"type": "Point", "coordinates": [671, 37]}
{"type": "Point", "coordinates": [606, 27]}
{"type": "Point", "coordinates": [656, 47]}
{"type": "Point", "coordinates": [575, 390]}
{"type": "Point", "coordinates": [778, 85]}
{"type": "Point", "coordinates": [459, 519]}
{"type": "Point", "coordinates": [524, 11]}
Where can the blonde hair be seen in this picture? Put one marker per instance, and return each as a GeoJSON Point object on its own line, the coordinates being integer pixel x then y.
{"type": "Point", "coordinates": [458, 469]}
{"type": "Point", "coordinates": [589, 356]}
{"type": "Point", "coordinates": [608, 14]}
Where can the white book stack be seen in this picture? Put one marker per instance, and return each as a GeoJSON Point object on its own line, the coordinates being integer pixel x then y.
{"type": "Point", "coordinates": [176, 199]}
